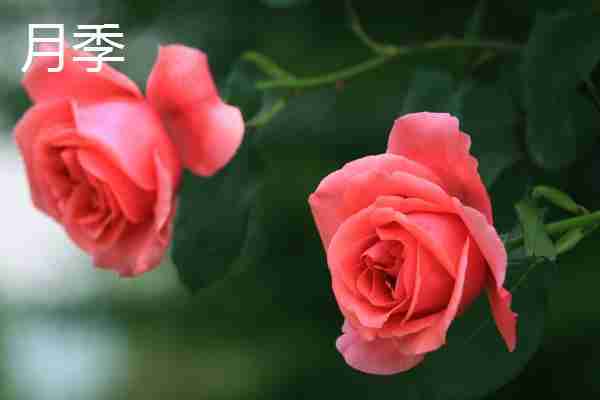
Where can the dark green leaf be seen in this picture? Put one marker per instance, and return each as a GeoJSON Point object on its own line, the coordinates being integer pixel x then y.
{"type": "Point", "coordinates": [475, 23]}
{"type": "Point", "coordinates": [430, 90]}
{"type": "Point", "coordinates": [301, 123]}
{"type": "Point", "coordinates": [486, 112]}
{"type": "Point", "coordinates": [240, 88]}
{"type": "Point", "coordinates": [488, 115]}
{"type": "Point", "coordinates": [284, 3]}
{"type": "Point", "coordinates": [561, 52]}
{"type": "Point", "coordinates": [475, 361]}
{"type": "Point", "coordinates": [537, 241]}
{"type": "Point", "coordinates": [212, 224]}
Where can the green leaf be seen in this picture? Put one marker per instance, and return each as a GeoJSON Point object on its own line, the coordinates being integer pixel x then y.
{"type": "Point", "coordinates": [488, 115]}
{"type": "Point", "coordinates": [486, 112]}
{"type": "Point", "coordinates": [258, 106]}
{"type": "Point", "coordinates": [240, 88]}
{"type": "Point", "coordinates": [561, 53]}
{"type": "Point", "coordinates": [300, 123]}
{"type": "Point", "coordinates": [475, 22]}
{"type": "Point", "coordinates": [537, 241]}
{"type": "Point", "coordinates": [475, 361]}
{"type": "Point", "coordinates": [430, 90]}
{"type": "Point", "coordinates": [569, 240]}
{"type": "Point", "coordinates": [212, 224]}
{"type": "Point", "coordinates": [284, 3]}
{"type": "Point", "coordinates": [558, 198]}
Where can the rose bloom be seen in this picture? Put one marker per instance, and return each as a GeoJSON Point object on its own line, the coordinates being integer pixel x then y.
{"type": "Point", "coordinates": [410, 244]}
{"type": "Point", "coordinates": [106, 163]}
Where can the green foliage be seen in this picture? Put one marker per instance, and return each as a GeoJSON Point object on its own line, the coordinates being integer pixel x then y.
{"type": "Point", "coordinates": [560, 55]}
{"type": "Point", "coordinates": [537, 241]}
{"type": "Point", "coordinates": [486, 112]}
{"type": "Point", "coordinates": [558, 198]}
{"type": "Point", "coordinates": [284, 3]}
{"type": "Point", "coordinates": [212, 226]}
{"type": "Point", "coordinates": [521, 111]}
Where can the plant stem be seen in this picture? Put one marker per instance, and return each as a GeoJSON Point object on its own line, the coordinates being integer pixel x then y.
{"type": "Point", "coordinates": [265, 116]}
{"type": "Point", "coordinates": [391, 52]}
{"type": "Point", "coordinates": [325, 79]}
{"type": "Point", "coordinates": [266, 65]}
{"type": "Point", "coordinates": [564, 225]}
{"type": "Point", "coordinates": [356, 26]}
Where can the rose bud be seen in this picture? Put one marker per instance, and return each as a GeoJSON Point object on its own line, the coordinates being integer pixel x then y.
{"type": "Point", "coordinates": [410, 244]}
{"type": "Point", "coordinates": [100, 161]}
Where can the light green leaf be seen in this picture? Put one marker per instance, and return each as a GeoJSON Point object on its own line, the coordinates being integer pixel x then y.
{"type": "Point", "coordinates": [569, 240]}
{"type": "Point", "coordinates": [537, 241]}
{"type": "Point", "coordinates": [558, 198]}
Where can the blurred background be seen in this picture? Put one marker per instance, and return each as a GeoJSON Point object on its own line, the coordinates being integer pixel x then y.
{"type": "Point", "coordinates": [68, 331]}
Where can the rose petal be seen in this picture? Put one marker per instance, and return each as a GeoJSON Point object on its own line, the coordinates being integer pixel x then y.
{"type": "Point", "coordinates": [74, 82]}
{"type": "Point", "coordinates": [206, 131]}
{"type": "Point", "coordinates": [383, 216]}
{"type": "Point", "coordinates": [127, 133]}
{"type": "Point", "coordinates": [433, 337]}
{"type": "Point", "coordinates": [379, 356]}
{"type": "Point", "coordinates": [506, 320]}
{"type": "Point", "coordinates": [139, 250]}
{"type": "Point", "coordinates": [38, 119]}
{"type": "Point", "coordinates": [434, 140]}
{"type": "Point", "coordinates": [135, 203]}
{"type": "Point", "coordinates": [487, 240]}
{"type": "Point", "coordinates": [330, 205]}
{"type": "Point", "coordinates": [206, 135]}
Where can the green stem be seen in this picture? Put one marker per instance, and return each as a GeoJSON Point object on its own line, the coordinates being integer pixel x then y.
{"type": "Point", "coordinates": [356, 26]}
{"type": "Point", "coordinates": [266, 65]}
{"type": "Point", "coordinates": [390, 53]}
{"type": "Point", "coordinates": [265, 116]}
{"type": "Point", "coordinates": [564, 225]}
{"type": "Point", "coordinates": [325, 79]}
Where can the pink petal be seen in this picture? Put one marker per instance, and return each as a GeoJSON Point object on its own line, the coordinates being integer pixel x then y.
{"type": "Point", "coordinates": [206, 131]}
{"type": "Point", "coordinates": [330, 205]}
{"type": "Point", "coordinates": [427, 239]}
{"type": "Point", "coordinates": [505, 319]}
{"type": "Point", "coordinates": [379, 356]}
{"type": "Point", "coordinates": [486, 238]}
{"type": "Point", "coordinates": [140, 249]}
{"type": "Point", "coordinates": [135, 203]}
{"type": "Point", "coordinates": [74, 82]}
{"type": "Point", "coordinates": [434, 140]}
{"type": "Point", "coordinates": [37, 120]}
{"type": "Point", "coordinates": [143, 246]}
{"type": "Point", "coordinates": [206, 135]}
{"type": "Point", "coordinates": [433, 337]}
{"type": "Point", "coordinates": [493, 251]}
{"type": "Point", "coordinates": [128, 133]}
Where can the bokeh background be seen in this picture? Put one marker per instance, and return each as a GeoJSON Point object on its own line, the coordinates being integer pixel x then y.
{"type": "Point", "coordinates": [68, 331]}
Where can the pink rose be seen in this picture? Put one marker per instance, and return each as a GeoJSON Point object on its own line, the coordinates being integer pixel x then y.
{"type": "Point", "coordinates": [106, 164]}
{"type": "Point", "coordinates": [410, 244]}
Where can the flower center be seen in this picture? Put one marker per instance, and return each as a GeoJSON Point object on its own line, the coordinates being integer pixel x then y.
{"type": "Point", "coordinates": [381, 264]}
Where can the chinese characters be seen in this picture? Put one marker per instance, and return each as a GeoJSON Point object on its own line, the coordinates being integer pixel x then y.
{"type": "Point", "coordinates": [98, 43]}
